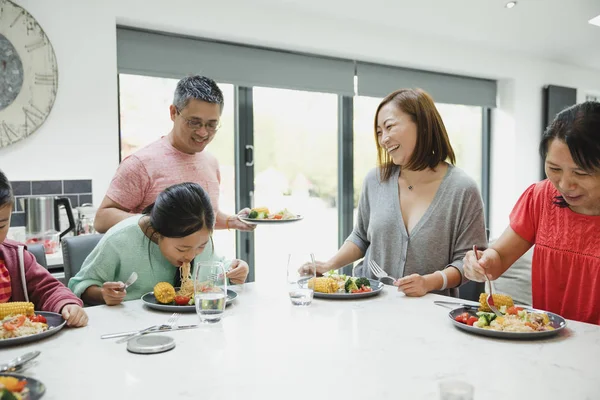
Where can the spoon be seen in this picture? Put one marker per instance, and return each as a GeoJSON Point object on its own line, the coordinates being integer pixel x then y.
{"type": "Point", "coordinates": [19, 361]}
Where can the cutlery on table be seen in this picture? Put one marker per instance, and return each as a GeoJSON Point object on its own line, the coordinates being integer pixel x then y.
{"type": "Point", "coordinates": [162, 328]}
{"type": "Point", "coordinates": [454, 304]}
{"type": "Point", "coordinates": [132, 278]}
{"type": "Point", "coordinates": [17, 363]}
{"type": "Point", "coordinates": [378, 271]}
{"type": "Point", "coordinates": [169, 324]}
{"type": "Point", "coordinates": [490, 296]}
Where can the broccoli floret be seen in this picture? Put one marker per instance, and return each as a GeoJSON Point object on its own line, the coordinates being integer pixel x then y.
{"type": "Point", "coordinates": [253, 214]}
{"type": "Point", "coordinates": [360, 282]}
{"type": "Point", "coordinates": [350, 285]}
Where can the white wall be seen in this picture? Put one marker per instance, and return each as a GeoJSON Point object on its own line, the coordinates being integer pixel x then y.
{"type": "Point", "coordinates": [79, 139]}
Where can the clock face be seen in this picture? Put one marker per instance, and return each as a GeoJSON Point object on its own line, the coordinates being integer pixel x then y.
{"type": "Point", "coordinates": [28, 74]}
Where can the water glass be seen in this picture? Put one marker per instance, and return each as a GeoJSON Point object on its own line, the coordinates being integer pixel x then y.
{"type": "Point", "coordinates": [301, 268]}
{"type": "Point", "coordinates": [456, 390]}
{"type": "Point", "coordinates": [210, 291]}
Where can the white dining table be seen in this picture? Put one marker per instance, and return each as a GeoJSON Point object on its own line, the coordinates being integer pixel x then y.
{"type": "Point", "coordinates": [384, 347]}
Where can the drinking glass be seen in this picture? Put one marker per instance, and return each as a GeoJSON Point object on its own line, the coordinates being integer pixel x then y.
{"type": "Point", "coordinates": [210, 290]}
{"type": "Point", "coordinates": [301, 268]}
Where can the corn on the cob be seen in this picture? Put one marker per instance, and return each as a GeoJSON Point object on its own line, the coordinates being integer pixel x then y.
{"type": "Point", "coordinates": [499, 301]}
{"type": "Point", "coordinates": [323, 285]}
{"type": "Point", "coordinates": [261, 209]}
{"type": "Point", "coordinates": [164, 292]}
{"type": "Point", "coordinates": [15, 308]}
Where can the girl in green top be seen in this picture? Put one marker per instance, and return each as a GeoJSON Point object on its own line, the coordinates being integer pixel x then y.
{"type": "Point", "coordinates": [176, 229]}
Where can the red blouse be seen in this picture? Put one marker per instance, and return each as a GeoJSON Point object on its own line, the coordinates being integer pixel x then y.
{"type": "Point", "coordinates": [565, 271]}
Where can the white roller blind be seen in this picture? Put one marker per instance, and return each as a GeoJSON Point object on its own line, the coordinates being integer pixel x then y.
{"type": "Point", "coordinates": [157, 54]}
{"type": "Point", "coordinates": [378, 81]}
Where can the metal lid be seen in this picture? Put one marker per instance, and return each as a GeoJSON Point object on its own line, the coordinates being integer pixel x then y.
{"type": "Point", "coordinates": [150, 344]}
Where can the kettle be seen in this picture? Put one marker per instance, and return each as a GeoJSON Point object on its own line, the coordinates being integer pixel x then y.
{"type": "Point", "coordinates": [41, 214]}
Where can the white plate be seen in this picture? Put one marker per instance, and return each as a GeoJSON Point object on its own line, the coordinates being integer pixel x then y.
{"type": "Point", "coordinates": [255, 221]}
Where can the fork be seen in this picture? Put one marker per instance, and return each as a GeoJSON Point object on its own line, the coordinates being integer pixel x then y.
{"type": "Point", "coordinates": [132, 278]}
{"type": "Point", "coordinates": [378, 271]}
{"type": "Point", "coordinates": [167, 325]}
{"type": "Point", "coordinates": [490, 296]}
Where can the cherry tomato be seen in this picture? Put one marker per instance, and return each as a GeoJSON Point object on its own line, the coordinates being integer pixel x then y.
{"type": "Point", "coordinates": [463, 318]}
{"type": "Point", "coordinates": [14, 323]}
{"type": "Point", "coordinates": [514, 310]}
{"type": "Point", "coordinates": [38, 318]}
{"type": "Point", "coordinates": [182, 300]}
{"type": "Point", "coordinates": [472, 320]}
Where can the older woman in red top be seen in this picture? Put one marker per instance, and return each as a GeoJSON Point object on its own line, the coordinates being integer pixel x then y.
{"type": "Point", "coordinates": [561, 216]}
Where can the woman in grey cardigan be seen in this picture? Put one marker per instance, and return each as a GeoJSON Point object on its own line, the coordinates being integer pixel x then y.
{"type": "Point", "coordinates": [418, 214]}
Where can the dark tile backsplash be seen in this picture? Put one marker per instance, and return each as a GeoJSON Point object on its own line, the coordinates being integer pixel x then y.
{"type": "Point", "coordinates": [78, 191]}
{"type": "Point", "coordinates": [85, 198]}
{"type": "Point", "coordinates": [46, 187]}
{"type": "Point", "coordinates": [17, 219]}
{"type": "Point", "coordinates": [80, 186]}
{"type": "Point", "coordinates": [21, 188]}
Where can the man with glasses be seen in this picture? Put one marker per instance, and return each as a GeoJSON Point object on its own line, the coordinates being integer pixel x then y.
{"type": "Point", "coordinates": [175, 158]}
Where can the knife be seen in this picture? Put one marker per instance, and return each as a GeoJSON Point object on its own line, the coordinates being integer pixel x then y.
{"type": "Point", "coordinates": [19, 361]}
{"type": "Point", "coordinates": [454, 304]}
{"type": "Point", "coordinates": [121, 334]}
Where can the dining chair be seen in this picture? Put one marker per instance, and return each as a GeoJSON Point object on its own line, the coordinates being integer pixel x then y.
{"type": "Point", "coordinates": [75, 250]}
{"type": "Point", "coordinates": [39, 253]}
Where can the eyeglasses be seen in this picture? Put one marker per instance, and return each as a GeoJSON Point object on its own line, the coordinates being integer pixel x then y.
{"type": "Point", "coordinates": [196, 125]}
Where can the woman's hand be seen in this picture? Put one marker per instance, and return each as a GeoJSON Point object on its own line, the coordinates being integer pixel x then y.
{"type": "Point", "coordinates": [476, 270]}
{"type": "Point", "coordinates": [321, 268]}
{"type": "Point", "coordinates": [238, 272]}
{"type": "Point", "coordinates": [234, 222]}
{"type": "Point", "coordinates": [413, 285]}
{"type": "Point", "coordinates": [74, 315]}
{"type": "Point", "coordinates": [113, 293]}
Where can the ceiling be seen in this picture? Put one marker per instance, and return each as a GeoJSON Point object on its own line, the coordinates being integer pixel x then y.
{"type": "Point", "coordinates": [556, 30]}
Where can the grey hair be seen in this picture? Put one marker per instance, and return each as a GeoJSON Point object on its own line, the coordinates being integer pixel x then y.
{"type": "Point", "coordinates": [197, 87]}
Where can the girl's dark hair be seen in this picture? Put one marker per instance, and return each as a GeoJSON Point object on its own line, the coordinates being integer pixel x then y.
{"type": "Point", "coordinates": [181, 210]}
{"type": "Point", "coordinates": [579, 128]}
{"type": "Point", "coordinates": [6, 193]}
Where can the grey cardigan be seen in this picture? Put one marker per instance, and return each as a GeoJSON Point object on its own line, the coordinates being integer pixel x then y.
{"type": "Point", "coordinates": [452, 224]}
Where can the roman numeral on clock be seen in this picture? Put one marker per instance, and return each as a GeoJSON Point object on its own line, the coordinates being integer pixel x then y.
{"type": "Point", "coordinates": [34, 46]}
{"type": "Point", "coordinates": [8, 133]}
{"type": "Point", "coordinates": [45, 79]}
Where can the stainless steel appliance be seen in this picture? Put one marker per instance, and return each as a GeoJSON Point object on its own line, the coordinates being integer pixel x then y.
{"type": "Point", "coordinates": [42, 215]}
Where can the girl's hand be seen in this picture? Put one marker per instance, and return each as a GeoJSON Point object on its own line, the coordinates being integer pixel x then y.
{"type": "Point", "coordinates": [113, 293]}
{"type": "Point", "coordinates": [413, 285]}
{"type": "Point", "coordinates": [74, 315]}
{"type": "Point", "coordinates": [238, 272]}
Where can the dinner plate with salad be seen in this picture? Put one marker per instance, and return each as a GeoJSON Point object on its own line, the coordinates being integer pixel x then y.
{"type": "Point", "coordinates": [19, 387]}
{"type": "Point", "coordinates": [20, 329]}
{"type": "Point", "coordinates": [262, 215]}
{"type": "Point", "coordinates": [180, 303]}
{"type": "Point", "coordinates": [343, 287]}
{"type": "Point", "coordinates": [515, 323]}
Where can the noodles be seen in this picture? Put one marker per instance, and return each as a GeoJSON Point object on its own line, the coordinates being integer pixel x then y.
{"type": "Point", "coordinates": [187, 285]}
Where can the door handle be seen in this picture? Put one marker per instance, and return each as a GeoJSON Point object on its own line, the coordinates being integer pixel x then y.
{"type": "Point", "coordinates": [249, 155]}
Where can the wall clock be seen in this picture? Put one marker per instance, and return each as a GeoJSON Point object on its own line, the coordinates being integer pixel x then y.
{"type": "Point", "coordinates": [28, 74]}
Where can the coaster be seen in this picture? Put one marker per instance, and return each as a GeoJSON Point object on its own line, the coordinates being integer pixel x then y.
{"type": "Point", "coordinates": [150, 344]}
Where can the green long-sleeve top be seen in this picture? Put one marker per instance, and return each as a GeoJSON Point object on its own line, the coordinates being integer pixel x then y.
{"type": "Point", "coordinates": [125, 249]}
